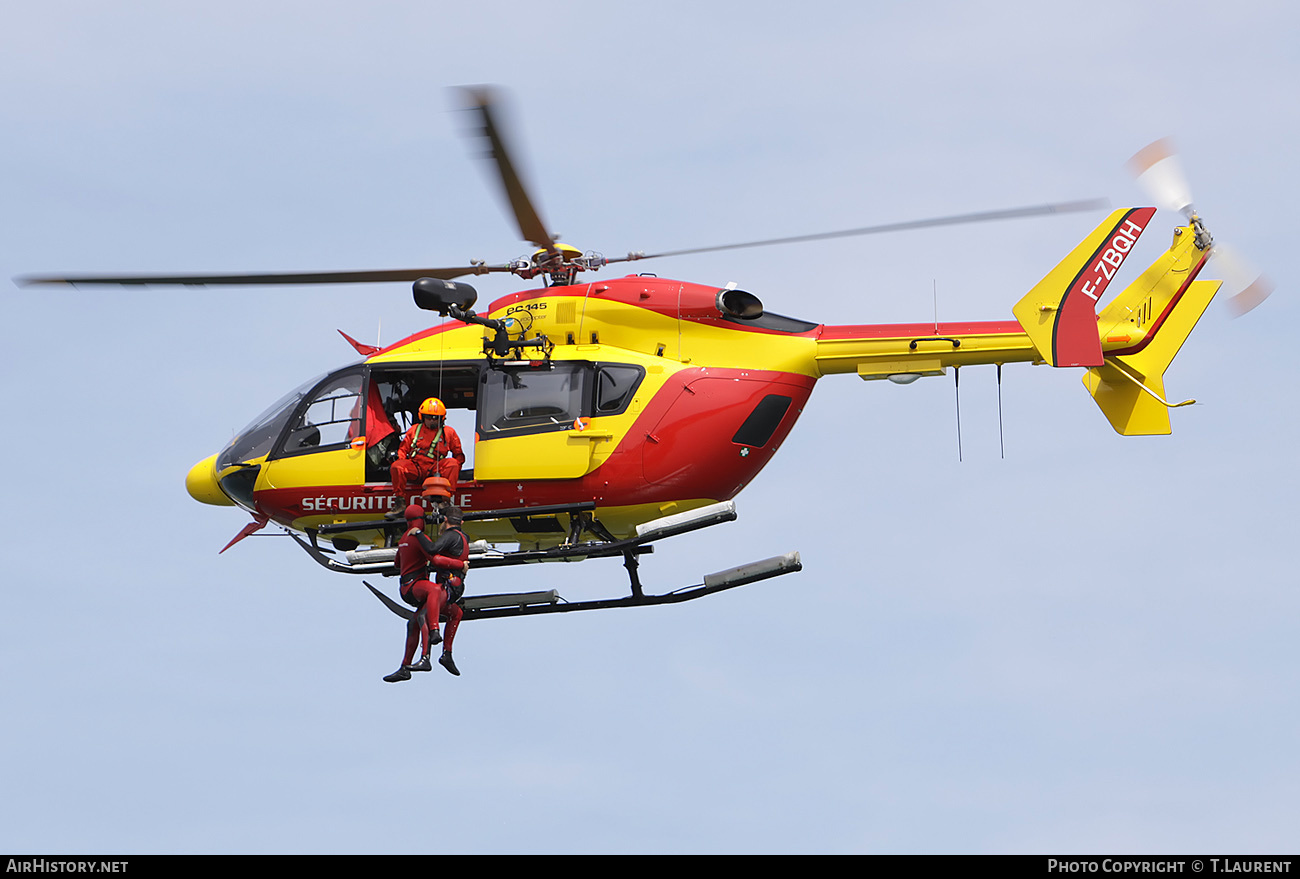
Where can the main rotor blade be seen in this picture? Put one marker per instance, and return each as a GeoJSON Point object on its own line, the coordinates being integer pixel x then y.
{"type": "Point", "coordinates": [980, 217]}
{"type": "Point", "coordinates": [483, 101]}
{"type": "Point", "coordinates": [362, 277]}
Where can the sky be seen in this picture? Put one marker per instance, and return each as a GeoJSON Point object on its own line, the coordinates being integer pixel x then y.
{"type": "Point", "coordinates": [1084, 646]}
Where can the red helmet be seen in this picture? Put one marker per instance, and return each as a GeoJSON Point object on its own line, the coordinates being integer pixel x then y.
{"type": "Point", "coordinates": [414, 512]}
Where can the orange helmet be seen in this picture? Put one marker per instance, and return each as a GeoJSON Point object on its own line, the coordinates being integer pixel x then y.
{"type": "Point", "coordinates": [432, 406]}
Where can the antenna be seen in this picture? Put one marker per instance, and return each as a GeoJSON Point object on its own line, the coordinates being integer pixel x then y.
{"type": "Point", "coordinates": [935, 283]}
{"type": "Point", "coordinates": [956, 385]}
{"type": "Point", "coordinates": [1002, 449]}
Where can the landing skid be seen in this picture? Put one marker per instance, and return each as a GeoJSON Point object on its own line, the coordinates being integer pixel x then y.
{"type": "Point", "coordinates": [517, 604]}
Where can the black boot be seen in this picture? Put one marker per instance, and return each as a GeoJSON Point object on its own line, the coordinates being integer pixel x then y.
{"type": "Point", "coordinates": [446, 662]}
{"type": "Point", "coordinates": [422, 665]}
{"type": "Point", "coordinates": [402, 674]}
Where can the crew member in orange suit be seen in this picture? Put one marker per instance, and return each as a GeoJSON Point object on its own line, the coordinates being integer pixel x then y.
{"type": "Point", "coordinates": [430, 448]}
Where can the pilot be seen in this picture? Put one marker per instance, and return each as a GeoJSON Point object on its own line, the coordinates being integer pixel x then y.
{"type": "Point", "coordinates": [430, 448]}
{"type": "Point", "coordinates": [417, 555]}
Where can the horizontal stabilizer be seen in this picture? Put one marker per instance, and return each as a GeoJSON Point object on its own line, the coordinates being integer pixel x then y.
{"type": "Point", "coordinates": [1129, 388]}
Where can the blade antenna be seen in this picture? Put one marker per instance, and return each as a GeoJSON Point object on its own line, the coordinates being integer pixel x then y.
{"type": "Point", "coordinates": [956, 386]}
{"type": "Point", "coordinates": [1002, 449]}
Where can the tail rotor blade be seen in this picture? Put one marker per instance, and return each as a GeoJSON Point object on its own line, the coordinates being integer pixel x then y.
{"type": "Point", "coordinates": [1250, 287]}
{"type": "Point", "coordinates": [1161, 176]}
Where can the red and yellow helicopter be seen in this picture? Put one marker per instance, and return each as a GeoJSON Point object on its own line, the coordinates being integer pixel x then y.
{"type": "Point", "coordinates": [612, 413]}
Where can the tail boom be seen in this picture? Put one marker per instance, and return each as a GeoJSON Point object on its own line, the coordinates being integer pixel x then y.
{"type": "Point", "coordinates": [1126, 348]}
{"type": "Point", "coordinates": [876, 351]}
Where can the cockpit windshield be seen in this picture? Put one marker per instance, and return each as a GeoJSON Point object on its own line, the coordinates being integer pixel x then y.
{"type": "Point", "coordinates": [259, 436]}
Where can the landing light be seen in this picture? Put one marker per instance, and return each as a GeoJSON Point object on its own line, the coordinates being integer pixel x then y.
{"type": "Point", "coordinates": [904, 378]}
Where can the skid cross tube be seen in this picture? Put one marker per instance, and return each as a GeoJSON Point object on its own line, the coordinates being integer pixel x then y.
{"type": "Point", "coordinates": [467, 515]}
{"type": "Point", "coordinates": [669, 526]}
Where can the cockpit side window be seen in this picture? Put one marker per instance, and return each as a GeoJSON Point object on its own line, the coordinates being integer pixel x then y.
{"type": "Point", "coordinates": [330, 417]}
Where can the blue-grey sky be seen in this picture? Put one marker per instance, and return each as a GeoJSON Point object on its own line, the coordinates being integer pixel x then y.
{"type": "Point", "coordinates": [1085, 646]}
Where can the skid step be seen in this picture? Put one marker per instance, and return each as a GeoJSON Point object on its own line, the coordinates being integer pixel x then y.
{"type": "Point", "coordinates": [510, 599]}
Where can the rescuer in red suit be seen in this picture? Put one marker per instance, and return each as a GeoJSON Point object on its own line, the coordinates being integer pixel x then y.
{"type": "Point", "coordinates": [417, 555]}
{"type": "Point", "coordinates": [430, 448]}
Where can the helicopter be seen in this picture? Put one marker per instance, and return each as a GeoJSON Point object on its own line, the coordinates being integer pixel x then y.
{"type": "Point", "coordinates": [610, 414]}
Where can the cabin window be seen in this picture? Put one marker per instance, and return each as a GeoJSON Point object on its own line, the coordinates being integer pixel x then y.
{"type": "Point", "coordinates": [763, 421]}
{"type": "Point", "coordinates": [778, 322]}
{"type": "Point", "coordinates": [532, 400]}
{"type": "Point", "coordinates": [614, 388]}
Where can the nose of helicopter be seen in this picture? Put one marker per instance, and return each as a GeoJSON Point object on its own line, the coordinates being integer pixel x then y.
{"type": "Point", "coordinates": [201, 483]}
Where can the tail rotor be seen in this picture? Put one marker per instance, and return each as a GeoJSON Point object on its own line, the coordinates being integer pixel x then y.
{"type": "Point", "coordinates": [1159, 173]}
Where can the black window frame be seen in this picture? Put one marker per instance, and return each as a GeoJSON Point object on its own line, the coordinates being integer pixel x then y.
{"type": "Point", "coordinates": [628, 396]}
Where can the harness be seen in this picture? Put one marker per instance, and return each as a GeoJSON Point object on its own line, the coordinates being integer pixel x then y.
{"type": "Point", "coordinates": [455, 583]}
{"type": "Point", "coordinates": [452, 581]}
{"type": "Point", "coordinates": [433, 451]}
{"type": "Point", "coordinates": [444, 576]}
{"type": "Point", "coordinates": [405, 580]}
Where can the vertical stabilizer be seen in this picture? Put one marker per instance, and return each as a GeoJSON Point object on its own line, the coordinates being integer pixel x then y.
{"type": "Point", "coordinates": [1060, 312]}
